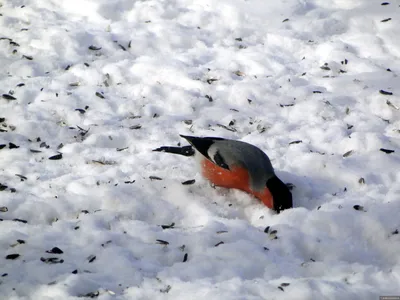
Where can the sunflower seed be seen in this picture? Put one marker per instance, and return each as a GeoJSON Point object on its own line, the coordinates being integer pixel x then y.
{"type": "Point", "coordinates": [189, 182]}
{"type": "Point", "coordinates": [56, 157]}
{"type": "Point", "coordinates": [162, 242]}
{"type": "Point", "coordinates": [168, 226]}
{"type": "Point", "coordinates": [55, 250]}
{"type": "Point", "coordinates": [348, 153]}
{"type": "Point", "coordinates": [94, 48]}
{"type": "Point", "coordinates": [388, 151]}
{"type": "Point", "coordinates": [385, 92]}
{"type": "Point", "coordinates": [99, 95]}
{"type": "Point", "coordinates": [9, 97]}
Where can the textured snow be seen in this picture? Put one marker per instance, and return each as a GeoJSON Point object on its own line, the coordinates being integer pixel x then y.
{"type": "Point", "coordinates": [313, 83]}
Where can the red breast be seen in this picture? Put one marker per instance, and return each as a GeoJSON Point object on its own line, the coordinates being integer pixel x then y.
{"type": "Point", "coordinates": [235, 178]}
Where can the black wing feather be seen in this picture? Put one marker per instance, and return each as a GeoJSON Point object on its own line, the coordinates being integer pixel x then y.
{"type": "Point", "coordinates": [219, 160]}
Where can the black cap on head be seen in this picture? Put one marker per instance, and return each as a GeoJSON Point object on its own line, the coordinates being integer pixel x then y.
{"type": "Point", "coordinates": [282, 197]}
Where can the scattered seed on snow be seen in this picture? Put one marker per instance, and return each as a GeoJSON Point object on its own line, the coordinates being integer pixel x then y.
{"type": "Point", "coordinates": [106, 243]}
{"type": "Point", "coordinates": [285, 284]}
{"type": "Point", "coordinates": [20, 220]}
{"type": "Point", "coordinates": [3, 187]}
{"type": "Point", "coordinates": [168, 226]}
{"type": "Point", "coordinates": [35, 151]}
{"type": "Point", "coordinates": [388, 151]}
{"type": "Point", "coordinates": [135, 127]}
{"type": "Point", "coordinates": [12, 256]}
{"type": "Point", "coordinates": [359, 207]}
{"type": "Point", "coordinates": [82, 111]}
{"type": "Point", "coordinates": [361, 180]}
{"type": "Point", "coordinates": [273, 235]}
{"type": "Point", "coordinates": [239, 73]}
{"type": "Point", "coordinates": [386, 20]}
{"type": "Point", "coordinates": [395, 232]}
{"type": "Point", "coordinates": [162, 242]}
{"type": "Point", "coordinates": [129, 182]}
{"type": "Point", "coordinates": [55, 250]}
{"type": "Point", "coordinates": [296, 142]}
{"type": "Point", "coordinates": [220, 243]}
{"type": "Point", "coordinates": [99, 95]}
{"type": "Point", "coordinates": [44, 145]}
{"type": "Point", "coordinates": [56, 157]}
{"type": "Point", "coordinates": [91, 258]}
{"type": "Point", "coordinates": [325, 67]}
{"type": "Point", "coordinates": [52, 260]}
{"type": "Point", "coordinates": [392, 105]}
{"type": "Point", "coordinates": [348, 153]}
{"type": "Point", "coordinates": [166, 289]}
{"type": "Point", "coordinates": [211, 80]}
{"type": "Point", "coordinates": [94, 48]}
{"type": "Point", "coordinates": [90, 295]}
{"type": "Point", "coordinates": [9, 97]}
{"type": "Point", "coordinates": [383, 92]}
{"type": "Point", "coordinates": [266, 230]}
{"type": "Point", "coordinates": [155, 178]}
{"type": "Point", "coordinates": [189, 182]}
{"type": "Point", "coordinates": [122, 149]}
{"type": "Point", "coordinates": [185, 257]}
{"type": "Point", "coordinates": [28, 57]}
{"type": "Point", "coordinates": [22, 177]}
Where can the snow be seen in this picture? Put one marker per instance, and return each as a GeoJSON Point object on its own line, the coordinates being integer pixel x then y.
{"type": "Point", "coordinates": [320, 73]}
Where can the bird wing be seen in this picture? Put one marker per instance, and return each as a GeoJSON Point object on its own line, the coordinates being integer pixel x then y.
{"type": "Point", "coordinates": [203, 145]}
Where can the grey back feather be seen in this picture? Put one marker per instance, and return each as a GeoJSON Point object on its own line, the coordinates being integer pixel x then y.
{"type": "Point", "coordinates": [237, 153]}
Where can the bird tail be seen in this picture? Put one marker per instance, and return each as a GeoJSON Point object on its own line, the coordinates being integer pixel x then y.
{"type": "Point", "coordinates": [185, 151]}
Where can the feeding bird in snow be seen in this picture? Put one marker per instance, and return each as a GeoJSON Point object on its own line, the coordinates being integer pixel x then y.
{"type": "Point", "coordinates": [239, 165]}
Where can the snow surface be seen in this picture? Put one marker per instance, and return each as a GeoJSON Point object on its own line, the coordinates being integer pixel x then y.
{"type": "Point", "coordinates": [266, 72]}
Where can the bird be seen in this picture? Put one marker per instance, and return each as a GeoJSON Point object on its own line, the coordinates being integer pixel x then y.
{"type": "Point", "coordinates": [238, 165]}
